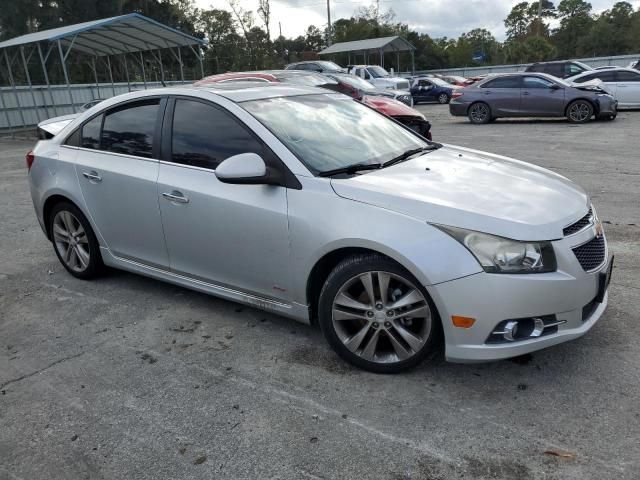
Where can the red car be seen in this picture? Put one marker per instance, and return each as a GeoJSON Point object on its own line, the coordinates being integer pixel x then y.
{"type": "Point", "coordinates": [455, 80]}
{"type": "Point", "coordinates": [387, 106]}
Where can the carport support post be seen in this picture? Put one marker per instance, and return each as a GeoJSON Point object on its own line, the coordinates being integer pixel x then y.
{"type": "Point", "coordinates": [28, 77]}
{"type": "Point", "coordinates": [95, 74]}
{"type": "Point", "coordinates": [126, 72]}
{"type": "Point", "coordinates": [398, 61]}
{"type": "Point", "coordinates": [413, 63]}
{"type": "Point", "coordinates": [161, 67]}
{"type": "Point", "coordinates": [200, 58]}
{"type": "Point", "coordinates": [144, 76]}
{"type": "Point", "coordinates": [180, 62]}
{"type": "Point", "coordinates": [113, 87]}
{"type": "Point", "coordinates": [46, 77]}
{"type": "Point", "coordinates": [382, 58]}
{"type": "Point", "coordinates": [13, 87]}
{"type": "Point", "coordinates": [66, 75]}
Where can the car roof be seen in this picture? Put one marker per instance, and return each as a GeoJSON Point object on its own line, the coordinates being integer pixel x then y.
{"type": "Point", "coordinates": [612, 69]}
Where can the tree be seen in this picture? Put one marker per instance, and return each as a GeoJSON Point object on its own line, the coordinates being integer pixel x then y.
{"type": "Point", "coordinates": [575, 22]}
{"type": "Point", "coordinates": [264, 12]}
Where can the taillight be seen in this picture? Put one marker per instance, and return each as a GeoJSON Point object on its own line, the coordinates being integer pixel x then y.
{"type": "Point", "coordinates": [456, 95]}
{"type": "Point", "coordinates": [30, 158]}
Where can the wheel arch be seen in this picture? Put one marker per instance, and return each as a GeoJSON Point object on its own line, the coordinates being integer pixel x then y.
{"type": "Point", "coordinates": [328, 261]}
{"type": "Point", "coordinates": [594, 104]}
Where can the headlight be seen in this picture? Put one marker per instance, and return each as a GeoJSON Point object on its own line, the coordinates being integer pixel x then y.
{"type": "Point", "coordinates": [503, 255]}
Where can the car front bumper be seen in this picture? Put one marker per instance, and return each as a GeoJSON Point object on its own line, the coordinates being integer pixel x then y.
{"type": "Point", "coordinates": [567, 297]}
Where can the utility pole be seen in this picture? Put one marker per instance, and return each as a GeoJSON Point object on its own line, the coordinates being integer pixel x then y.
{"type": "Point", "coordinates": [539, 18]}
{"type": "Point", "coordinates": [328, 24]}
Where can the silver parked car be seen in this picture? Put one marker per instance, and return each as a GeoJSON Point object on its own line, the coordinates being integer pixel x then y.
{"type": "Point", "coordinates": [622, 83]}
{"type": "Point", "coordinates": [532, 95]}
{"type": "Point", "coordinates": [267, 195]}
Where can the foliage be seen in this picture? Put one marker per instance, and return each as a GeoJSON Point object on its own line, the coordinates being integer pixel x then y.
{"type": "Point", "coordinates": [240, 39]}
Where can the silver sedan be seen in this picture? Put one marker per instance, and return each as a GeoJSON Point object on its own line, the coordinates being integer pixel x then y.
{"type": "Point", "coordinates": [272, 197]}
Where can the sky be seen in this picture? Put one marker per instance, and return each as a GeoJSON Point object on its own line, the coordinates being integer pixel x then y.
{"type": "Point", "coordinates": [438, 18]}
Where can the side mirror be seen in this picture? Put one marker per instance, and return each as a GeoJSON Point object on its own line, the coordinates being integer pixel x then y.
{"type": "Point", "coordinates": [243, 169]}
{"type": "Point", "coordinates": [555, 87]}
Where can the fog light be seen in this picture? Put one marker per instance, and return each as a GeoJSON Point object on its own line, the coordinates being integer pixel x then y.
{"type": "Point", "coordinates": [463, 322]}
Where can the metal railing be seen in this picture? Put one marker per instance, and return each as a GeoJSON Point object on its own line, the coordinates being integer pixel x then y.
{"type": "Point", "coordinates": [23, 107]}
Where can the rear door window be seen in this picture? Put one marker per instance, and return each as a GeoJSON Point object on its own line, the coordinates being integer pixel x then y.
{"type": "Point", "coordinates": [203, 135]}
{"type": "Point", "coordinates": [622, 76]}
{"type": "Point", "coordinates": [130, 129]}
{"type": "Point", "coordinates": [502, 82]}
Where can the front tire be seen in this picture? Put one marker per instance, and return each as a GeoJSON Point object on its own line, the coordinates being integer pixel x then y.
{"type": "Point", "coordinates": [376, 315]}
{"type": "Point", "coordinates": [579, 111]}
{"type": "Point", "coordinates": [74, 242]}
{"type": "Point", "coordinates": [479, 113]}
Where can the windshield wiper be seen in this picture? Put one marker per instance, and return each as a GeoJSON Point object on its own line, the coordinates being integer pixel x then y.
{"type": "Point", "coordinates": [410, 153]}
{"type": "Point", "coordinates": [356, 167]}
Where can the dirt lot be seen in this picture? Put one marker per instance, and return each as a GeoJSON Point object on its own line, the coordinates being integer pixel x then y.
{"type": "Point", "coordinates": [127, 377]}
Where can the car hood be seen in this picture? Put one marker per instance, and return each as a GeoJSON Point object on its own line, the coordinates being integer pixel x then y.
{"type": "Point", "coordinates": [475, 190]}
{"type": "Point", "coordinates": [595, 85]}
{"type": "Point", "coordinates": [390, 106]}
{"type": "Point", "coordinates": [56, 124]}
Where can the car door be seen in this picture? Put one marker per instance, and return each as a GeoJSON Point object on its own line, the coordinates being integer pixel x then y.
{"type": "Point", "coordinates": [502, 94]}
{"type": "Point", "coordinates": [628, 92]}
{"type": "Point", "coordinates": [424, 90]}
{"type": "Point", "coordinates": [117, 167]}
{"type": "Point", "coordinates": [235, 236]}
{"type": "Point", "coordinates": [541, 97]}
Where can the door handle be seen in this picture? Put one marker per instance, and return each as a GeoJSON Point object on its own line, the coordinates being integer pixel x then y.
{"type": "Point", "coordinates": [175, 196]}
{"type": "Point", "coordinates": [92, 176]}
{"type": "Point", "coordinates": [525, 93]}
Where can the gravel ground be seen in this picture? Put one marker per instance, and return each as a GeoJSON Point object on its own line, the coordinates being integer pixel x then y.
{"type": "Point", "coordinates": [127, 377]}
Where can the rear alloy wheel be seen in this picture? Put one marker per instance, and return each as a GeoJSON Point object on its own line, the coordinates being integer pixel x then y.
{"type": "Point", "coordinates": [443, 98]}
{"type": "Point", "coordinates": [479, 113]}
{"type": "Point", "coordinates": [375, 316]}
{"type": "Point", "coordinates": [579, 111]}
{"type": "Point", "coordinates": [74, 242]}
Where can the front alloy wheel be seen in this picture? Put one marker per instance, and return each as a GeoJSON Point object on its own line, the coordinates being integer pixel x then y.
{"type": "Point", "coordinates": [580, 111]}
{"type": "Point", "coordinates": [443, 98]}
{"type": "Point", "coordinates": [377, 319]}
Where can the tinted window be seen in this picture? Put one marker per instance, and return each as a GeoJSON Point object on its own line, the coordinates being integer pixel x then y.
{"type": "Point", "coordinates": [605, 76]}
{"type": "Point", "coordinates": [573, 69]}
{"type": "Point", "coordinates": [536, 82]}
{"type": "Point", "coordinates": [623, 76]}
{"type": "Point", "coordinates": [503, 82]}
{"type": "Point", "coordinates": [203, 135]}
{"type": "Point", "coordinates": [91, 133]}
{"type": "Point", "coordinates": [129, 129]}
{"type": "Point", "coordinates": [424, 83]}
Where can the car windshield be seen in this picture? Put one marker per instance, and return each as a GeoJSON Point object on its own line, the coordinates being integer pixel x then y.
{"type": "Point", "coordinates": [355, 82]}
{"type": "Point", "coordinates": [329, 131]}
{"type": "Point", "coordinates": [329, 65]}
{"type": "Point", "coordinates": [377, 72]}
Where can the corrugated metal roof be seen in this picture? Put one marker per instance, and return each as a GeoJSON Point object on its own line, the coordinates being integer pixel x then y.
{"type": "Point", "coordinates": [388, 44]}
{"type": "Point", "coordinates": [123, 34]}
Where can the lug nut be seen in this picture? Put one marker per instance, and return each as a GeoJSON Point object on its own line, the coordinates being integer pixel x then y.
{"type": "Point", "coordinates": [390, 313]}
{"type": "Point", "coordinates": [379, 306]}
{"type": "Point", "coordinates": [387, 324]}
{"type": "Point", "coordinates": [375, 325]}
{"type": "Point", "coordinates": [369, 314]}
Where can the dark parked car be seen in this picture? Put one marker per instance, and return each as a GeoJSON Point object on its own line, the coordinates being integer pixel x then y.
{"type": "Point", "coordinates": [560, 69]}
{"type": "Point", "coordinates": [430, 89]}
{"type": "Point", "coordinates": [532, 95]}
{"type": "Point", "coordinates": [319, 66]}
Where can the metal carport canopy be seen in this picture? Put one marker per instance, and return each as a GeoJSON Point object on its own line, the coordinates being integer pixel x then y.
{"type": "Point", "coordinates": [386, 44]}
{"type": "Point", "coordinates": [111, 36]}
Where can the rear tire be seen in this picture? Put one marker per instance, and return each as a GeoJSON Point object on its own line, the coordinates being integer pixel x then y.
{"type": "Point", "coordinates": [74, 242]}
{"type": "Point", "coordinates": [479, 113]}
{"type": "Point", "coordinates": [376, 315]}
{"type": "Point", "coordinates": [579, 111]}
{"type": "Point", "coordinates": [443, 99]}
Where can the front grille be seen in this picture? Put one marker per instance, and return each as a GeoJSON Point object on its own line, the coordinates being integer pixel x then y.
{"type": "Point", "coordinates": [591, 254]}
{"type": "Point", "coordinates": [579, 225]}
